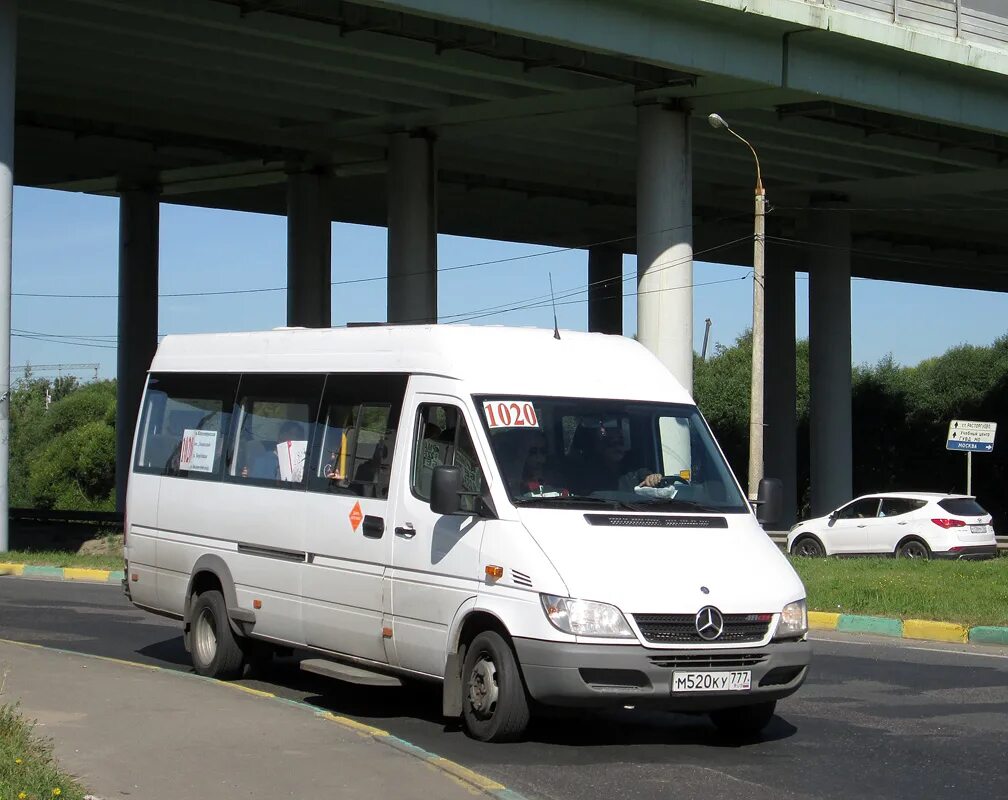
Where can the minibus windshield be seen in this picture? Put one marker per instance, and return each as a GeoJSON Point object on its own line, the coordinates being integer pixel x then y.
{"type": "Point", "coordinates": [568, 451]}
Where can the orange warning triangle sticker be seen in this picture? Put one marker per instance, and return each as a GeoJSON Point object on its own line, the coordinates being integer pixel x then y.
{"type": "Point", "coordinates": [356, 517]}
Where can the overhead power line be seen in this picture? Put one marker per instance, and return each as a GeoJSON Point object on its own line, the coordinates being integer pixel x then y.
{"type": "Point", "coordinates": [375, 278]}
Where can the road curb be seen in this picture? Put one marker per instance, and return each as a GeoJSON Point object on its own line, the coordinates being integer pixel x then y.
{"type": "Point", "coordinates": [79, 574]}
{"type": "Point", "coordinates": [454, 770]}
{"type": "Point", "coordinates": [930, 630]}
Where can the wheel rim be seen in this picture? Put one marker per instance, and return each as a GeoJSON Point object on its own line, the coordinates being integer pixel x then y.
{"type": "Point", "coordinates": [205, 638]}
{"type": "Point", "coordinates": [483, 690]}
{"type": "Point", "coordinates": [808, 548]}
{"type": "Point", "coordinates": [914, 550]}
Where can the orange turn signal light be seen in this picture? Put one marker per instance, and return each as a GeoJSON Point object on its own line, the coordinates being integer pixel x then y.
{"type": "Point", "coordinates": [495, 572]}
{"type": "Point", "coordinates": [134, 577]}
{"type": "Point", "coordinates": [386, 632]}
{"type": "Point", "coordinates": [257, 604]}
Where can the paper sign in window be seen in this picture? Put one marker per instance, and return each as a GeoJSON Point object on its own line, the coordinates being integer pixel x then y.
{"type": "Point", "coordinates": [199, 448]}
{"type": "Point", "coordinates": [510, 414]}
{"type": "Point", "coordinates": [291, 458]}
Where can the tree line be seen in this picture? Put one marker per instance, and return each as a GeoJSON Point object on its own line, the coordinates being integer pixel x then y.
{"type": "Point", "coordinates": [900, 419]}
{"type": "Point", "coordinates": [62, 449]}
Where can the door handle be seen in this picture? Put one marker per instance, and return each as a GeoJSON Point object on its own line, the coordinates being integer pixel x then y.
{"type": "Point", "coordinates": [373, 527]}
{"type": "Point", "coordinates": [902, 523]}
{"type": "Point", "coordinates": [863, 525]}
{"type": "Point", "coordinates": [407, 531]}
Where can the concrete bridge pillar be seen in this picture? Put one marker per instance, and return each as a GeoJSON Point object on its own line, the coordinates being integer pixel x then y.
{"type": "Point", "coordinates": [780, 440]}
{"type": "Point", "coordinates": [412, 229]}
{"type": "Point", "coordinates": [139, 222]}
{"type": "Point", "coordinates": [309, 251]}
{"type": "Point", "coordinates": [665, 238]}
{"type": "Point", "coordinates": [830, 358]}
{"type": "Point", "coordinates": [605, 290]}
{"type": "Point", "coordinates": [8, 48]}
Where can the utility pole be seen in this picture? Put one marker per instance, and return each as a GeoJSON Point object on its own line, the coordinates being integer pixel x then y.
{"type": "Point", "coordinates": [758, 337]}
{"type": "Point", "coordinates": [706, 338]}
{"type": "Point", "coordinates": [758, 345]}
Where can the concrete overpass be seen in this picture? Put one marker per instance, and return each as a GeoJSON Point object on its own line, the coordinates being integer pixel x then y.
{"type": "Point", "coordinates": [880, 124]}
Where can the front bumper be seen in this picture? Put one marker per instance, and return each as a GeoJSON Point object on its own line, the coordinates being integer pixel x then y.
{"type": "Point", "coordinates": [968, 553]}
{"type": "Point", "coordinates": [587, 675]}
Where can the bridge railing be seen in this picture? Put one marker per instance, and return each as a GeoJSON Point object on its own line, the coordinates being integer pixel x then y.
{"type": "Point", "coordinates": [981, 21]}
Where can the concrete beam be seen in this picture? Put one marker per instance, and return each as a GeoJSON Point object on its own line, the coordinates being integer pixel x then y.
{"type": "Point", "coordinates": [830, 426]}
{"type": "Point", "coordinates": [309, 251]}
{"type": "Point", "coordinates": [8, 62]}
{"type": "Point", "coordinates": [605, 289]}
{"type": "Point", "coordinates": [827, 55]}
{"type": "Point", "coordinates": [665, 239]}
{"type": "Point", "coordinates": [138, 317]}
{"type": "Point", "coordinates": [412, 229]}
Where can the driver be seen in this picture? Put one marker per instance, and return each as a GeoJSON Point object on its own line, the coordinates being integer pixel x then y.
{"type": "Point", "coordinates": [608, 471]}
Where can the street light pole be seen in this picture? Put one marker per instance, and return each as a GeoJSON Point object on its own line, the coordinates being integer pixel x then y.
{"type": "Point", "coordinates": [758, 336]}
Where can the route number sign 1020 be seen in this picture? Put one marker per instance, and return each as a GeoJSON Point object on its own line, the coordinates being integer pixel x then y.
{"type": "Point", "coordinates": [510, 414]}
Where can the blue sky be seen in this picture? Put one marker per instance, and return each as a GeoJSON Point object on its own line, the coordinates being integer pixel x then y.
{"type": "Point", "coordinates": [68, 243]}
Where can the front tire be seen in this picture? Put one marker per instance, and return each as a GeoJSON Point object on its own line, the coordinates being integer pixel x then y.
{"type": "Point", "coordinates": [808, 547]}
{"type": "Point", "coordinates": [216, 652]}
{"type": "Point", "coordinates": [495, 707]}
{"type": "Point", "coordinates": [744, 721]}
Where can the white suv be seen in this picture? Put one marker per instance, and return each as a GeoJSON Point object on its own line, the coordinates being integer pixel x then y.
{"type": "Point", "coordinates": [905, 524]}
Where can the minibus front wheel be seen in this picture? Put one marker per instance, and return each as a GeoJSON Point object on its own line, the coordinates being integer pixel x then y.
{"type": "Point", "coordinates": [215, 650]}
{"type": "Point", "coordinates": [495, 707]}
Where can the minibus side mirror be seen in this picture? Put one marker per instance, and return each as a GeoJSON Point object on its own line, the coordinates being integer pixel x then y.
{"type": "Point", "coordinates": [446, 484]}
{"type": "Point", "coordinates": [769, 499]}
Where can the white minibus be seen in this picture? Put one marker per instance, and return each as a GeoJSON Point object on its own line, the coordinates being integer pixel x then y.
{"type": "Point", "coordinates": [529, 520]}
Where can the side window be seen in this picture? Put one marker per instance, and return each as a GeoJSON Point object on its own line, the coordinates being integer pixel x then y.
{"type": "Point", "coordinates": [355, 435]}
{"type": "Point", "coordinates": [273, 417]}
{"type": "Point", "coordinates": [443, 438]}
{"type": "Point", "coordinates": [894, 506]}
{"type": "Point", "coordinates": [184, 425]}
{"type": "Point", "coordinates": [860, 509]}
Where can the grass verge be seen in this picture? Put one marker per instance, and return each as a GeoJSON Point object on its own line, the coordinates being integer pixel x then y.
{"type": "Point", "coordinates": [61, 558]}
{"type": "Point", "coordinates": [965, 592]}
{"type": "Point", "coordinates": [28, 770]}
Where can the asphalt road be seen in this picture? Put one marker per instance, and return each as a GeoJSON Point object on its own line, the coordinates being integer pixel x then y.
{"type": "Point", "coordinates": [876, 718]}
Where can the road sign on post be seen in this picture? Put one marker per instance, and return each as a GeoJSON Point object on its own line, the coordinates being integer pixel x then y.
{"type": "Point", "coordinates": [971, 437]}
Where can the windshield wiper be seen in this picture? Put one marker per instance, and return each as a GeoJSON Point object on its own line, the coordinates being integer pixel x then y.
{"type": "Point", "coordinates": [573, 499]}
{"type": "Point", "coordinates": [675, 503]}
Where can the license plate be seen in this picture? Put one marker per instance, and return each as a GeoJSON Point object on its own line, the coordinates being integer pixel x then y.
{"type": "Point", "coordinates": [739, 681]}
{"type": "Point", "coordinates": [978, 528]}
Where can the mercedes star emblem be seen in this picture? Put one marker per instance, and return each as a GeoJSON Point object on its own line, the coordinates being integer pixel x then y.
{"type": "Point", "coordinates": [709, 623]}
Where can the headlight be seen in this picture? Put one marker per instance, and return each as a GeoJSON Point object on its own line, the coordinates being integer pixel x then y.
{"type": "Point", "coordinates": [793, 621]}
{"type": "Point", "coordinates": [585, 618]}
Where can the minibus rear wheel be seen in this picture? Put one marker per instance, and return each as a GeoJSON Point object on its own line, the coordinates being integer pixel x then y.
{"type": "Point", "coordinates": [215, 650]}
{"type": "Point", "coordinates": [495, 707]}
{"type": "Point", "coordinates": [744, 721]}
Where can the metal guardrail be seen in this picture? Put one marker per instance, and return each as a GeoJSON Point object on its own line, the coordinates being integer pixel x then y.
{"type": "Point", "coordinates": [981, 21]}
{"type": "Point", "coordinates": [100, 519]}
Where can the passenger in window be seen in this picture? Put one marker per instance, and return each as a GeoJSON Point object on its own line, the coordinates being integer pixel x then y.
{"type": "Point", "coordinates": [537, 477]}
{"type": "Point", "coordinates": [284, 461]}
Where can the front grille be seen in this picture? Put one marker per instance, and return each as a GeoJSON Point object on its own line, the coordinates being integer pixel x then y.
{"type": "Point", "coordinates": [654, 521]}
{"type": "Point", "coordinates": [709, 660]}
{"type": "Point", "coordinates": [681, 629]}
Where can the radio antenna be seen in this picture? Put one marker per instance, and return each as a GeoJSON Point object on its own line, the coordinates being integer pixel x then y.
{"type": "Point", "coordinates": [556, 328]}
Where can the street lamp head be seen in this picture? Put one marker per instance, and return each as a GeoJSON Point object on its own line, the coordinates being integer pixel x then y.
{"type": "Point", "coordinates": [716, 121]}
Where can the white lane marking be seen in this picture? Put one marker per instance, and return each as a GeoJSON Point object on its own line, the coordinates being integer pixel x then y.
{"type": "Point", "coordinates": [909, 647]}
